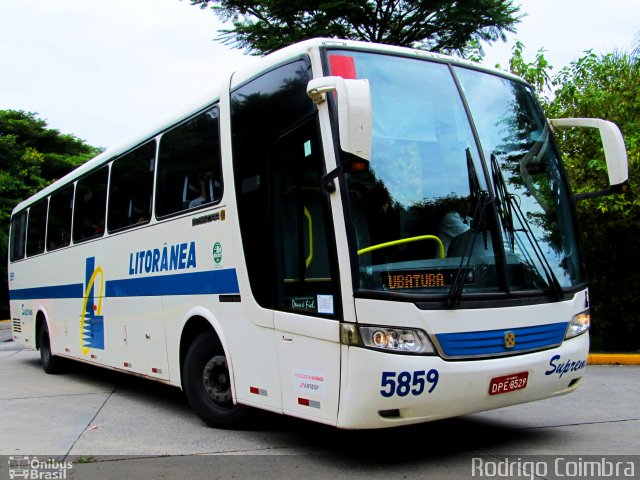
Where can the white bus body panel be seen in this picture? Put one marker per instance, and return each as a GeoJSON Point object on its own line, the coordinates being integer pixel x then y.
{"type": "Point", "coordinates": [143, 323]}
{"type": "Point", "coordinates": [309, 356]}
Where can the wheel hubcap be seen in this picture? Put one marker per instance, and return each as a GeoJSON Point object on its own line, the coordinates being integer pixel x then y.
{"type": "Point", "coordinates": [215, 379]}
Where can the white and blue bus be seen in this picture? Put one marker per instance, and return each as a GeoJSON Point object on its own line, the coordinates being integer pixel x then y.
{"type": "Point", "coordinates": [291, 245]}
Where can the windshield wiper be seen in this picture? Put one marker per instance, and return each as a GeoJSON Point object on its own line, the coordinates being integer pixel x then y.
{"type": "Point", "coordinates": [482, 200]}
{"type": "Point", "coordinates": [507, 206]}
{"type": "Point", "coordinates": [455, 292]}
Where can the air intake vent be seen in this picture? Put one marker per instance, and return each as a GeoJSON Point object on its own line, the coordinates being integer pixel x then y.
{"type": "Point", "coordinates": [17, 326]}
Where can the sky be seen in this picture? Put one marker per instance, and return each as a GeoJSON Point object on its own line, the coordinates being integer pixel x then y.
{"type": "Point", "coordinates": [109, 70]}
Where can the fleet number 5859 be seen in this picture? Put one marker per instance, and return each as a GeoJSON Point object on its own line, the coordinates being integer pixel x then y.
{"type": "Point", "coordinates": [405, 383]}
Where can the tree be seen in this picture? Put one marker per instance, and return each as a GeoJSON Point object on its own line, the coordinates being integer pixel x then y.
{"type": "Point", "coordinates": [537, 73]}
{"type": "Point", "coordinates": [31, 157]}
{"type": "Point", "coordinates": [447, 26]}
{"type": "Point", "coordinates": [600, 86]}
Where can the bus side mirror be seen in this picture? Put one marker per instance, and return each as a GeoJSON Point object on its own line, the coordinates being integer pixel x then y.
{"type": "Point", "coordinates": [614, 152]}
{"type": "Point", "coordinates": [354, 111]}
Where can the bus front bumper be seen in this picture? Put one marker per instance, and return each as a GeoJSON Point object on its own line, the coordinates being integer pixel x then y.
{"type": "Point", "coordinates": [385, 390]}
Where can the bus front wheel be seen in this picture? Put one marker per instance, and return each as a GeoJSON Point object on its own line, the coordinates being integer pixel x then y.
{"type": "Point", "coordinates": [207, 383]}
{"type": "Point", "coordinates": [50, 364]}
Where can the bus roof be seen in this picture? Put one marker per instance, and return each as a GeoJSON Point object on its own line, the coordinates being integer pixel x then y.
{"type": "Point", "coordinates": [237, 78]}
{"type": "Point", "coordinates": [305, 47]}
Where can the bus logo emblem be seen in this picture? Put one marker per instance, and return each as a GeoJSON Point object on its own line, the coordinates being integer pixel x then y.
{"type": "Point", "coordinates": [509, 339]}
{"type": "Point", "coordinates": [217, 253]}
{"type": "Point", "coordinates": [91, 319]}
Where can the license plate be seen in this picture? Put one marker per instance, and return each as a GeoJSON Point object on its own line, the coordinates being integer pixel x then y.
{"type": "Point", "coordinates": [508, 383]}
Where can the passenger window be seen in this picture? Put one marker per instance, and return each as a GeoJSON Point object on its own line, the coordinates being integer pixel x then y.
{"type": "Point", "coordinates": [131, 188]}
{"type": "Point", "coordinates": [90, 206]}
{"type": "Point", "coordinates": [18, 236]}
{"type": "Point", "coordinates": [59, 226]}
{"type": "Point", "coordinates": [189, 165]}
{"type": "Point", "coordinates": [36, 228]}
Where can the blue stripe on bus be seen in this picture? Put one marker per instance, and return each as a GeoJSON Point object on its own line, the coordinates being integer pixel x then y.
{"type": "Point", "coordinates": [195, 283]}
{"type": "Point", "coordinates": [75, 290]}
{"type": "Point", "coordinates": [491, 342]}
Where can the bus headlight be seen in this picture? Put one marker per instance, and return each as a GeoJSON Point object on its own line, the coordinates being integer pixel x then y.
{"type": "Point", "coordinates": [392, 339]}
{"type": "Point", "coordinates": [579, 324]}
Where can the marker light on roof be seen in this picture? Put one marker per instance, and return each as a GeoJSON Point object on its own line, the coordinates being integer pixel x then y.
{"type": "Point", "coordinates": [343, 66]}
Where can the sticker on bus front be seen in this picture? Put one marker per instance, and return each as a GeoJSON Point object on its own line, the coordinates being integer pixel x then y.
{"type": "Point", "coordinates": [310, 382]}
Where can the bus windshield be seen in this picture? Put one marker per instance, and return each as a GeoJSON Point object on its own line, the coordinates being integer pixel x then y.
{"type": "Point", "coordinates": [438, 210]}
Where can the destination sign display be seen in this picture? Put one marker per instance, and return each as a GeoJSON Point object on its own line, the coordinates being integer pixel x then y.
{"type": "Point", "coordinates": [424, 278]}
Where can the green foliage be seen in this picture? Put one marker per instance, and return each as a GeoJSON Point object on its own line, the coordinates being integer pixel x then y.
{"type": "Point", "coordinates": [606, 87]}
{"type": "Point", "coordinates": [448, 26]}
{"type": "Point", "coordinates": [31, 157]}
{"type": "Point", "coordinates": [537, 73]}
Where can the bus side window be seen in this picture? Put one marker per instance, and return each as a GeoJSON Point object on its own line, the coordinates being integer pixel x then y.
{"type": "Point", "coordinates": [18, 236]}
{"type": "Point", "coordinates": [131, 188]}
{"type": "Point", "coordinates": [59, 223]}
{"type": "Point", "coordinates": [36, 227]}
{"type": "Point", "coordinates": [90, 206]}
{"type": "Point", "coordinates": [189, 165]}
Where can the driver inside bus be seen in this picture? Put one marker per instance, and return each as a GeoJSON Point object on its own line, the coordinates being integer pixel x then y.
{"type": "Point", "coordinates": [455, 222]}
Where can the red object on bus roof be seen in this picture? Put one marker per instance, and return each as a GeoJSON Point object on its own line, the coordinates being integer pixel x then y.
{"type": "Point", "coordinates": [343, 66]}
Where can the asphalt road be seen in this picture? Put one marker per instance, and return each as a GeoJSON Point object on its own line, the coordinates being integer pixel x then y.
{"type": "Point", "coordinates": [111, 425]}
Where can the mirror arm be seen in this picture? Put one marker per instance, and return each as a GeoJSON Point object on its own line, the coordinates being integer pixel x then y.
{"type": "Point", "coordinates": [612, 190]}
{"type": "Point", "coordinates": [327, 180]}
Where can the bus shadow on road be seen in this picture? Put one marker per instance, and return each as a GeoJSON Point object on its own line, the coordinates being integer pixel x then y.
{"type": "Point", "coordinates": [462, 436]}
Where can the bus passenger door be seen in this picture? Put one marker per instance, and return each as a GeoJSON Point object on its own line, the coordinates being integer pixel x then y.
{"type": "Point", "coordinates": [305, 291]}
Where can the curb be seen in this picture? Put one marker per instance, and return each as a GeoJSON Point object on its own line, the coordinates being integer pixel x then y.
{"type": "Point", "coordinates": [613, 359]}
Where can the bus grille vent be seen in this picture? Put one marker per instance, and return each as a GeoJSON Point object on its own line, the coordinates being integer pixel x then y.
{"type": "Point", "coordinates": [17, 326]}
{"type": "Point", "coordinates": [503, 342]}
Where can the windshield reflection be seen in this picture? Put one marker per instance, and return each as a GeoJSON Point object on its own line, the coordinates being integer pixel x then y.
{"type": "Point", "coordinates": [514, 133]}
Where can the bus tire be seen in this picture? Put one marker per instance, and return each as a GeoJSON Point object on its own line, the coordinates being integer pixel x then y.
{"type": "Point", "coordinates": [207, 383]}
{"type": "Point", "coordinates": [50, 363]}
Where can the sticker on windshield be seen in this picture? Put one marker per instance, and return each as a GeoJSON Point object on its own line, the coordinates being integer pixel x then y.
{"type": "Point", "coordinates": [325, 304]}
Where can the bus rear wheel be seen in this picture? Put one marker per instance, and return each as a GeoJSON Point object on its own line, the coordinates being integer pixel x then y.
{"type": "Point", "coordinates": [50, 363]}
{"type": "Point", "coordinates": [207, 383]}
